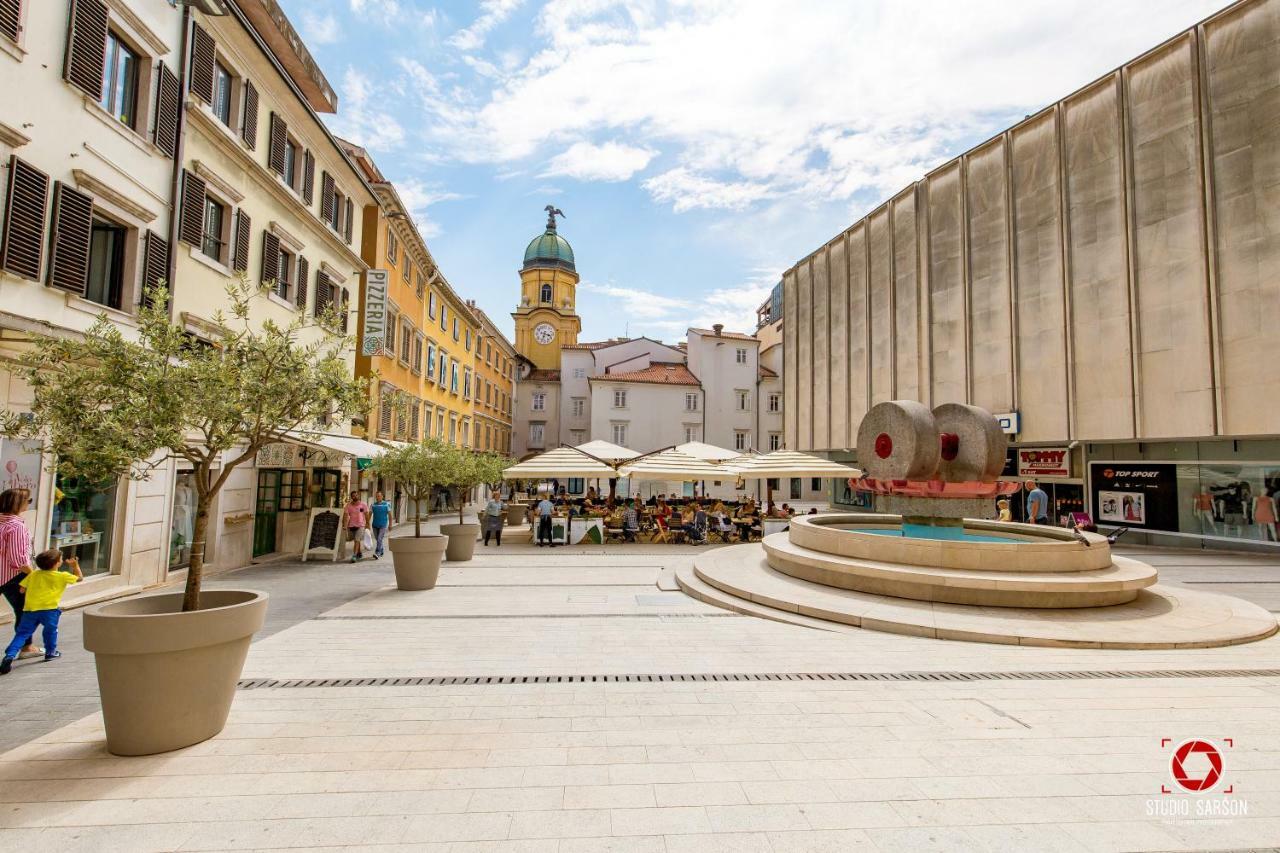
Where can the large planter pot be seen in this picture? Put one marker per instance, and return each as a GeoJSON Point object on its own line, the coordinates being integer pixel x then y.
{"type": "Point", "coordinates": [417, 560]}
{"type": "Point", "coordinates": [516, 513]}
{"type": "Point", "coordinates": [166, 677]}
{"type": "Point", "coordinates": [462, 541]}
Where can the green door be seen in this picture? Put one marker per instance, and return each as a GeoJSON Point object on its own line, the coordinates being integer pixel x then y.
{"type": "Point", "coordinates": [264, 519]}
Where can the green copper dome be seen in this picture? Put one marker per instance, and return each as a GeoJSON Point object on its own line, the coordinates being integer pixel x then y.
{"type": "Point", "coordinates": [549, 249]}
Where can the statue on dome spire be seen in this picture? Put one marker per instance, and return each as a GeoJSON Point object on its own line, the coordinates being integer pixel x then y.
{"type": "Point", "coordinates": [552, 213]}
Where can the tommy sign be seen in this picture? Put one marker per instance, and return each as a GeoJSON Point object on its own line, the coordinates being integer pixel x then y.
{"type": "Point", "coordinates": [1043, 462]}
{"type": "Point", "coordinates": [374, 333]}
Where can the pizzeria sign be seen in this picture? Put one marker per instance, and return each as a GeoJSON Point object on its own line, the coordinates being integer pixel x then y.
{"type": "Point", "coordinates": [1044, 462]}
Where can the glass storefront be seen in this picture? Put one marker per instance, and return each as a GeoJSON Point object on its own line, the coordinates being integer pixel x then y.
{"type": "Point", "coordinates": [182, 527]}
{"type": "Point", "coordinates": [83, 521]}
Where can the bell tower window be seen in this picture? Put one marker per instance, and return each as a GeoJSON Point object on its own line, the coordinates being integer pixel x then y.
{"type": "Point", "coordinates": [546, 294]}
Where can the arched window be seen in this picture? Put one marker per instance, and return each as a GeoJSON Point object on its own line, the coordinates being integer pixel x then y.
{"type": "Point", "coordinates": [546, 293]}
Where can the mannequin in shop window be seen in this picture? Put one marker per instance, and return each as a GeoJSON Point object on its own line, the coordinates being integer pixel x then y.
{"type": "Point", "coordinates": [184, 517]}
{"type": "Point", "coordinates": [1264, 515]}
{"type": "Point", "coordinates": [1202, 508]}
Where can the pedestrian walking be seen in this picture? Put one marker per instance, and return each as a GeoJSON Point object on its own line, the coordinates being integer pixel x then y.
{"type": "Point", "coordinates": [356, 515]}
{"type": "Point", "coordinates": [44, 588]}
{"type": "Point", "coordinates": [15, 555]}
{"type": "Point", "coordinates": [545, 508]}
{"type": "Point", "coordinates": [1037, 504]}
{"type": "Point", "coordinates": [380, 518]}
{"type": "Point", "coordinates": [495, 512]}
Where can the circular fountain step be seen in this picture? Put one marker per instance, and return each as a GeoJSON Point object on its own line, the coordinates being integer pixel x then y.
{"type": "Point", "coordinates": [1160, 617]}
{"type": "Point", "coordinates": [1116, 584]}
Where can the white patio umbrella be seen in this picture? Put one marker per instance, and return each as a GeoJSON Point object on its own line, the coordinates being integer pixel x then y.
{"type": "Point", "coordinates": [707, 452]}
{"type": "Point", "coordinates": [789, 463]}
{"type": "Point", "coordinates": [561, 462]}
{"type": "Point", "coordinates": [607, 451]}
{"type": "Point", "coordinates": [671, 466]}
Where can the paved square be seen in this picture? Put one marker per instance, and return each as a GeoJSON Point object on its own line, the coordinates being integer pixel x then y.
{"type": "Point", "coordinates": [701, 730]}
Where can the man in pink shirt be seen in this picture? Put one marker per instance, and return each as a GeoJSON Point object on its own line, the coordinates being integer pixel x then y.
{"type": "Point", "coordinates": [356, 516]}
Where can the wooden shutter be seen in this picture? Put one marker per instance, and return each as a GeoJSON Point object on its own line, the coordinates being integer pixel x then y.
{"type": "Point", "coordinates": [191, 226]}
{"type": "Point", "coordinates": [22, 241]}
{"type": "Point", "coordinates": [249, 129]}
{"type": "Point", "coordinates": [304, 272]}
{"type": "Point", "coordinates": [10, 19]}
{"type": "Point", "coordinates": [86, 46]}
{"type": "Point", "coordinates": [324, 292]}
{"type": "Point", "coordinates": [270, 258]}
{"type": "Point", "coordinates": [69, 239]}
{"type": "Point", "coordinates": [168, 102]}
{"type": "Point", "coordinates": [155, 263]}
{"type": "Point", "coordinates": [349, 215]}
{"type": "Point", "coordinates": [240, 262]}
{"type": "Point", "coordinates": [278, 136]}
{"type": "Point", "coordinates": [327, 190]}
{"type": "Point", "coordinates": [204, 53]}
{"type": "Point", "coordinates": [308, 177]}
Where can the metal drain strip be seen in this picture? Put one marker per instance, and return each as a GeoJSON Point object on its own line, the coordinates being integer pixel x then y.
{"type": "Point", "coordinates": [1050, 675]}
{"type": "Point", "coordinates": [535, 616]}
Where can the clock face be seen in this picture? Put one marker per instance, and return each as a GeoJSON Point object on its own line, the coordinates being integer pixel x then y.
{"type": "Point", "coordinates": [544, 333]}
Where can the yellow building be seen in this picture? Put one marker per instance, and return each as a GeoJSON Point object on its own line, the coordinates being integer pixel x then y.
{"type": "Point", "coordinates": [546, 319]}
{"type": "Point", "coordinates": [495, 372]}
{"type": "Point", "coordinates": [414, 332]}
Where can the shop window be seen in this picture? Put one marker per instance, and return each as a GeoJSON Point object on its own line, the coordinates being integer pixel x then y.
{"type": "Point", "coordinates": [577, 485]}
{"type": "Point", "coordinates": [182, 526]}
{"type": "Point", "coordinates": [106, 264]}
{"type": "Point", "coordinates": [83, 521]}
{"type": "Point", "coordinates": [120, 81]}
{"type": "Point", "coordinates": [293, 490]}
{"type": "Point", "coordinates": [325, 484]}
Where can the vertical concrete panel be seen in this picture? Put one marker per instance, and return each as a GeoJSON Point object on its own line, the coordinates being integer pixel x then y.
{"type": "Point", "coordinates": [1100, 321]}
{"type": "Point", "coordinates": [838, 270]}
{"type": "Point", "coordinates": [821, 351]}
{"type": "Point", "coordinates": [990, 344]}
{"type": "Point", "coordinates": [790, 363]}
{"type": "Point", "coordinates": [1175, 366]}
{"type": "Point", "coordinates": [946, 286]}
{"type": "Point", "coordinates": [906, 298]}
{"type": "Point", "coordinates": [859, 339]}
{"type": "Point", "coordinates": [880, 294]}
{"type": "Point", "coordinates": [1242, 52]}
{"type": "Point", "coordinates": [804, 355]}
{"type": "Point", "coordinates": [1042, 376]}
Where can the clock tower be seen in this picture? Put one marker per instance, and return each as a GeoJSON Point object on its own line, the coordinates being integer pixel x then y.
{"type": "Point", "coordinates": [546, 318]}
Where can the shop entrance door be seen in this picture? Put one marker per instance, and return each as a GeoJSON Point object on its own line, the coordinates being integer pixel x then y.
{"type": "Point", "coordinates": [268, 505]}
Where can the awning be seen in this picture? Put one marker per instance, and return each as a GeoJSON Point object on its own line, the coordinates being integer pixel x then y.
{"type": "Point", "coordinates": [347, 445]}
{"type": "Point", "coordinates": [561, 462]}
{"type": "Point", "coordinates": [607, 451]}
{"type": "Point", "coordinates": [791, 463]}
{"type": "Point", "coordinates": [707, 452]}
{"type": "Point", "coordinates": [671, 466]}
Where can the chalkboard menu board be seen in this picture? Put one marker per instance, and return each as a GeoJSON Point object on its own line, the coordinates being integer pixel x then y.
{"type": "Point", "coordinates": [323, 532]}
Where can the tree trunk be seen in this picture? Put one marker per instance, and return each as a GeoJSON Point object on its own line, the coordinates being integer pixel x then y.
{"type": "Point", "coordinates": [195, 572]}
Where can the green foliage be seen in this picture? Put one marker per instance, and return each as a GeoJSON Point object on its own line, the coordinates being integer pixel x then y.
{"type": "Point", "coordinates": [417, 468]}
{"type": "Point", "coordinates": [112, 404]}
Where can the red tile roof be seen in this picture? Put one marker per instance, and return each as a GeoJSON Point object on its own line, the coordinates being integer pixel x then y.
{"type": "Point", "coordinates": [658, 373]}
{"type": "Point", "coordinates": [541, 375]}
{"type": "Point", "coordinates": [737, 336]}
{"type": "Point", "coordinates": [766, 371]}
{"type": "Point", "coordinates": [590, 345]}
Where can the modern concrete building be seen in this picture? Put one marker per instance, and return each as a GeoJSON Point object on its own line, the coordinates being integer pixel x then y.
{"type": "Point", "coordinates": [1102, 275]}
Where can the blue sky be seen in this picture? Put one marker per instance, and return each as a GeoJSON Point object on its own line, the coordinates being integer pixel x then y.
{"type": "Point", "coordinates": [697, 147]}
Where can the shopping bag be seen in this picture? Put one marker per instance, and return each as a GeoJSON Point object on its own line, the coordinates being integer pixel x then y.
{"type": "Point", "coordinates": [366, 539]}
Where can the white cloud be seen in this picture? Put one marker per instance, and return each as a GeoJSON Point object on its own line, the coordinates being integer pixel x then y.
{"type": "Point", "coordinates": [360, 121]}
{"type": "Point", "coordinates": [686, 190]}
{"type": "Point", "coordinates": [386, 11]}
{"type": "Point", "coordinates": [417, 198]}
{"type": "Point", "coordinates": [319, 29]}
{"type": "Point", "coordinates": [493, 13]}
{"type": "Point", "coordinates": [669, 317]}
{"type": "Point", "coordinates": [611, 161]}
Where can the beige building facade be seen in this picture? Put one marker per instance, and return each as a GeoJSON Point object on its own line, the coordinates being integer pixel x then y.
{"type": "Point", "coordinates": [1103, 274]}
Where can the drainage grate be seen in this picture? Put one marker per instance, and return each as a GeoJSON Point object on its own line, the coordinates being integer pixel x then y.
{"type": "Point", "coordinates": [1061, 675]}
{"type": "Point", "coordinates": [536, 616]}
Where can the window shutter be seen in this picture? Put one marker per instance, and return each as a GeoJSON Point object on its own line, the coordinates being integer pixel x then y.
{"type": "Point", "coordinates": [349, 215]}
{"type": "Point", "coordinates": [87, 46]}
{"type": "Point", "coordinates": [249, 130]}
{"type": "Point", "coordinates": [326, 197]}
{"type": "Point", "coordinates": [270, 258]}
{"type": "Point", "coordinates": [324, 291]}
{"type": "Point", "coordinates": [304, 270]}
{"type": "Point", "coordinates": [23, 236]}
{"type": "Point", "coordinates": [168, 102]}
{"type": "Point", "coordinates": [279, 134]}
{"type": "Point", "coordinates": [10, 19]}
{"type": "Point", "coordinates": [69, 238]}
{"type": "Point", "coordinates": [155, 262]}
{"type": "Point", "coordinates": [384, 415]}
{"type": "Point", "coordinates": [203, 54]}
{"type": "Point", "coordinates": [308, 177]}
{"type": "Point", "coordinates": [240, 262]}
{"type": "Point", "coordinates": [191, 228]}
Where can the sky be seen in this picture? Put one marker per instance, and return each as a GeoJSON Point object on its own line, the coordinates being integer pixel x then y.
{"type": "Point", "coordinates": [698, 148]}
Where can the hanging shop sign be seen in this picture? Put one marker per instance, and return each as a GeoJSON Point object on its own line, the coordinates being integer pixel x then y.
{"type": "Point", "coordinates": [280, 454]}
{"type": "Point", "coordinates": [1010, 422]}
{"type": "Point", "coordinates": [374, 332]}
{"type": "Point", "coordinates": [1135, 494]}
{"type": "Point", "coordinates": [1044, 462]}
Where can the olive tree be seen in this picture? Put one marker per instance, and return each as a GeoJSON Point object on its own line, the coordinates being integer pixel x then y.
{"type": "Point", "coordinates": [418, 468]}
{"type": "Point", "coordinates": [109, 405]}
{"type": "Point", "coordinates": [469, 469]}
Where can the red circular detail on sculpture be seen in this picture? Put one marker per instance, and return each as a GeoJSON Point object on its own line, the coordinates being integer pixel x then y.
{"type": "Point", "coordinates": [950, 445]}
{"type": "Point", "coordinates": [884, 445]}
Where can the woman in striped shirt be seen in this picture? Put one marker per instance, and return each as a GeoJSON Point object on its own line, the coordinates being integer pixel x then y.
{"type": "Point", "coordinates": [15, 554]}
